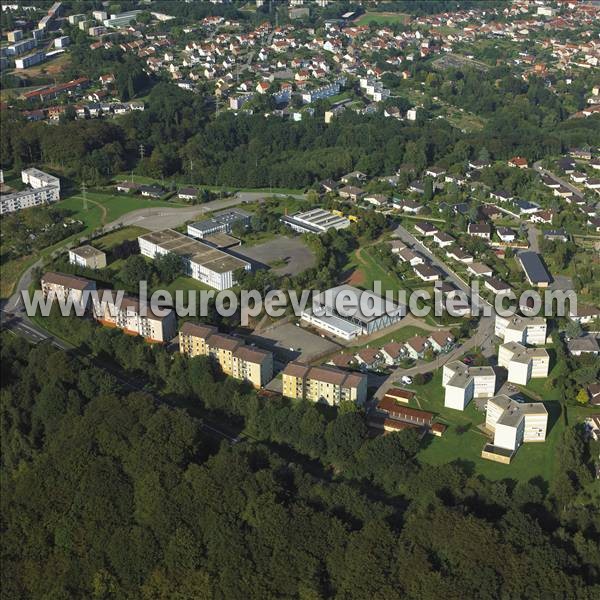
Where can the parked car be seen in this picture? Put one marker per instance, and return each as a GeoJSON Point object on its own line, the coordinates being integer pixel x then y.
{"type": "Point", "coordinates": [406, 379]}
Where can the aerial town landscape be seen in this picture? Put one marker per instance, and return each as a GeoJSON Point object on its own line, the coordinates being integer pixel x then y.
{"type": "Point", "coordinates": [300, 299]}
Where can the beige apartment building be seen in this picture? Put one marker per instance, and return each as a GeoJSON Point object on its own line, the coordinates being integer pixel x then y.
{"type": "Point", "coordinates": [323, 384]}
{"type": "Point", "coordinates": [235, 359]}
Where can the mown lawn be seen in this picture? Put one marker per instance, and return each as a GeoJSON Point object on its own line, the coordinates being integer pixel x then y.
{"type": "Point", "coordinates": [114, 238]}
{"type": "Point", "coordinates": [463, 441]}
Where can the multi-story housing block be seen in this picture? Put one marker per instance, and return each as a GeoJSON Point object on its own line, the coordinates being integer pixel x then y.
{"type": "Point", "coordinates": [235, 359]}
{"type": "Point", "coordinates": [524, 330]}
{"type": "Point", "coordinates": [323, 384]}
{"type": "Point", "coordinates": [463, 383]}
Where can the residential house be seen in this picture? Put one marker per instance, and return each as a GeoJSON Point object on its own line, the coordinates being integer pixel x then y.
{"type": "Point", "coordinates": [442, 239]}
{"type": "Point", "coordinates": [392, 353]}
{"type": "Point", "coordinates": [481, 230]}
{"type": "Point", "coordinates": [426, 228]}
{"type": "Point", "coordinates": [351, 193]}
{"type": "Point", "coordinates": [506, 235]}
{"type": "Point", "coordinates": [441, 341]}
{"type": "Point", "coordinates": [586, 344]}
{"type": "Point", "coordinates": [416, 346]}
{"type": "Point", "coordinates": [426, 272]}
{"type": "Point", "coordinates": [368, 358]}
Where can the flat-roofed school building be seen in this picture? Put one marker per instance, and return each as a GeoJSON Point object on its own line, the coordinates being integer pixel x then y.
{"type": "Point", "coordinates": [221, 222]}
{"type": "Point", "coordinates": [316, 221]}
{"type": "Point", "coordinates": [202, 262]}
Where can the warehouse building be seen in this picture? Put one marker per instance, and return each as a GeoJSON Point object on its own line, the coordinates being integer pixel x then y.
{"type": "Point", "coordinates": [316, 221]}
{"type": "Point", "coordinates": [348, 312]}
{"type": "Point", "coordinates": [534, 269]}
{"type": "Point", "coordinates": [202, 262]}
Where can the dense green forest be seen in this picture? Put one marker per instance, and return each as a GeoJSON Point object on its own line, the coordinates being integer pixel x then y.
{"type": "Point", "coordinates": [108, 494]}
{"type": "Point", "coordinates": [182, 138]}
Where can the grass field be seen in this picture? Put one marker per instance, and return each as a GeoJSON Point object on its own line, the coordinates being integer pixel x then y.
{"type": "Point", "coordinates": [463, 441]}
{"type": "Point", "coordinates": [112, 239]}
{"type": "Point", "coordinates": [383, 18]}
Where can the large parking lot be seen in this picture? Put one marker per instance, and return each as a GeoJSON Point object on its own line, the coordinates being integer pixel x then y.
{"type": "Point", "coordinates": [287, 255]}
{"type": "Point", "coordinates": [289, 342]}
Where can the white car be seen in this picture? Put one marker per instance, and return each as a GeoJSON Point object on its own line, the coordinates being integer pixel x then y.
{"type": "Point", "coordinates": [406, 379]}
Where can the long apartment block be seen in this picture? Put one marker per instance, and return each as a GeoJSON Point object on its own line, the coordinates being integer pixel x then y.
{"type": "Point", "coordinates": [44, 189]}
{"type": "Point", "coordinates": [234, 357]}
{"type": "Point", "coordinates": [323, 384]}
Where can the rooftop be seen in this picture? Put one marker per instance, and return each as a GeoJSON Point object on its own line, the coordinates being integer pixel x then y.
{"type": "Point", "coordinates": [195, 250]}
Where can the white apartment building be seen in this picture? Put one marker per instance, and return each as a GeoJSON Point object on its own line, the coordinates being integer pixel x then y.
{"type": "Point", "coordinates": [202, 262]}
{"type": "Point", "coordinates": [525, 330]}
{"type": "Point", "coordinates": [523, 363]}
{"type": "Point", "coordinates": [87, 256]}
{"type": "Point", "coordinates": [515, 423]}
{"type": "Point", "coordinates": [463, 383]}
{"type": "Point", "coordinates": [44, 189]}
{"type": "Point", "coordinates": [131, 316]}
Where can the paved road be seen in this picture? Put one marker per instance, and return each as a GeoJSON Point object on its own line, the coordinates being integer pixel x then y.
{"type": "Point", "coordinates": [533, 237]}
{"type": "Point", "coordinates": [538, 167]}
